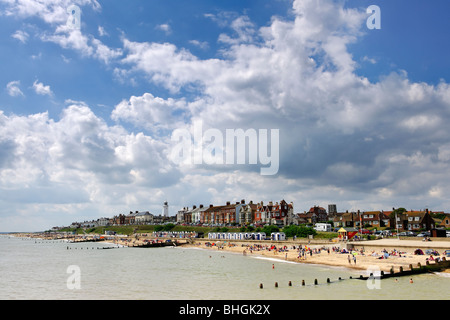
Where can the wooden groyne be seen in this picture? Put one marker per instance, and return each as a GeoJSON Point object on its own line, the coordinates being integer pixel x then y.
{"type": "Point", "coordinates": [157, 244]}
{"type": "Point", "coordinates": [437, 266]}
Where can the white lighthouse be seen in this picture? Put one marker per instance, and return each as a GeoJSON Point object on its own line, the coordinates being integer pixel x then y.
{"type": "Point", "coordinates": [165, 209]}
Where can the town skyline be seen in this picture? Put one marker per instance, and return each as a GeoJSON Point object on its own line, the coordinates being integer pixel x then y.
{"type": "Point", "coordinates": [242, 213]}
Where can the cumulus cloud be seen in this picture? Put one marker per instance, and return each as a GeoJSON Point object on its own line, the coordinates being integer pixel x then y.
{"type": "Point", "coordinates": [77, 159]}
{"type": "Point", "coordinates": [343, 138]}
{"type": "Point", "coordinates": [336, 127]}
{"type": "Point", "coordinates": [86, 45]}
{"type": "Point", "coordinates": [42, 89]}
{"type": "Point", "coordinates": [152, 113]}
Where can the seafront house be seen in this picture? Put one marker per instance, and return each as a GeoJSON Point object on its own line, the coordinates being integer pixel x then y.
{"type": "Point", "coordinates": [346, 219]}
{"type": "Point", "coordinates": [279, 214]}
{"type": "Point", "coordinates": [319, 214]}
{"type": "Point", "coordinates": [143, 218]}
{"type": "Point", "coordinates": [246, 213]}
{"type": "Point", "coordinates": [375, 219]}
{"type": "Point", "coordinates": [445, 222]}
{"type": "Point", "coordinates": [181, 215]}
{"type": "Point", "coordinates": [418, 220]}
{"type": "Point", "coordinates": [130, 219]}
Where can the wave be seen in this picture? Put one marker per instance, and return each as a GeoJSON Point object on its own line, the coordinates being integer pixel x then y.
{"type": "Point", "coordinates": [273, 259]}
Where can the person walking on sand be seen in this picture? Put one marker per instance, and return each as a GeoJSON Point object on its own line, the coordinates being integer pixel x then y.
{"type": "Point", "coordinates": [354, 259]}
{"type": "Point", "coordinates": [349, 259]}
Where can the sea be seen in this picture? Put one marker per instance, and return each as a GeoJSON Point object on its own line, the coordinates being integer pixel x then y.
{"type": "Point", "coordinates": [35, 269]}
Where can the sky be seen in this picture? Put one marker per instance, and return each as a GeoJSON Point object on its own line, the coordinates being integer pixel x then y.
{"type": "Point", "coordinates": [91, 99]}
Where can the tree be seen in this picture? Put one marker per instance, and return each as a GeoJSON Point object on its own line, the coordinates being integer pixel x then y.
{"type": "Point", "coordinates": [299, 231]}
{"type": "Point", "coordinates": [268, 230]}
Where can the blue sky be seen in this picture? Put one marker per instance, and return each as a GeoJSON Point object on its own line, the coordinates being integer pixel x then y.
{"type": "Point", "coordinates": [86, 116]}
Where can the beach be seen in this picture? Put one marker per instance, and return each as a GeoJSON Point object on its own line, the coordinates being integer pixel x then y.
{"type": "Point", "coordinates": [387, 254]}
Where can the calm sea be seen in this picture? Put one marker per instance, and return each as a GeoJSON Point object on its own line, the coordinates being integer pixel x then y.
{"type": "Point", "coordinates": [38, 269]}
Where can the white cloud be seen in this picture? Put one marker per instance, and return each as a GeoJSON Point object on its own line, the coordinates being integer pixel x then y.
{"type": "Point", "coordinates": [152, 113]}
{"type": "Point", "coordinates": [102, 32]}
{"type": "Point", "coordinates": [13, 89]}
{"type": "Point", "coordinates": [88, 46]}
{"type": "Point", "coordinates": [343, 138]}
{"type": "Point", "coordinates": [42, 89]}
{"type": "Point", "coordinates": [299, 76]}
{"type": "Point", "coordinates": [201, 44]}
{"type": "Point", "coordinates": [53, 11]}
{"type": "Point", "coordinates": [165, 27]}
{"type": "Point", "coordinates": [78, 159]}
{"type": "Point", "coordinates": [20, 35]}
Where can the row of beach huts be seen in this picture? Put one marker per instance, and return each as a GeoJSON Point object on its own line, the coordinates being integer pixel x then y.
{"type": "Point", "coordinates": [275, 236]}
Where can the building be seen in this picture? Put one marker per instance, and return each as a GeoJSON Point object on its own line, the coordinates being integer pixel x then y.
{"type": "Point", "coordinates": [278, 214]}
{"type": "Point", "coordinates": [445, 222]}
{"type": "Point", "coordinates": [332, 210]}
{"type": "Point", "coordinates": [418, 220]}
{"type": "Point", "coordinates": [130, 219]}
{"type": "Point", "coordinates": [320, 213]}
{"type": "Point", "coordinates": [143, 218]}
{"type": "Point", "coordinates": [181, 215]}
{"type": "Point", "coordinates": [246, 213]}
{"type": "Point", "coordinates": [165, 211]}
{"type": "Point", "coordinates": [345, 219]}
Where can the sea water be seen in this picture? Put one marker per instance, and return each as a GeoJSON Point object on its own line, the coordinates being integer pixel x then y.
{"type": "Point", "coordinates": [43, 269]}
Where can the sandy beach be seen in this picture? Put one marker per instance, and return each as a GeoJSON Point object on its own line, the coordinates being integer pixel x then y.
{"type": "Point", "coordinates": [330, 254]}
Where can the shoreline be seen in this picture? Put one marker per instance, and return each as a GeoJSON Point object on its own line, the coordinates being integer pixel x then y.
{"type": "Point", "coordinates": [288, 252]}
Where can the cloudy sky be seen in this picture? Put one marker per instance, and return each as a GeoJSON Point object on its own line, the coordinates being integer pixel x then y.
{"type": "Point", "coordinates": [87, 114]}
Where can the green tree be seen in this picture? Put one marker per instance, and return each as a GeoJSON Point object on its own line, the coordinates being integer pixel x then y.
{"type": "Point", "coordinates": [269, 229]}
{"type": "Point", "coordinates": [168, 227]}
{"type": "Point", "coordinates": [299, 231]}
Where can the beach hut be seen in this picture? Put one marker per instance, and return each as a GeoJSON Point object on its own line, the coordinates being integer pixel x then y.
{"type": "Point", "coordinates": [278, 236]}
{"type": "Point", "coordinates": [260, 236]}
